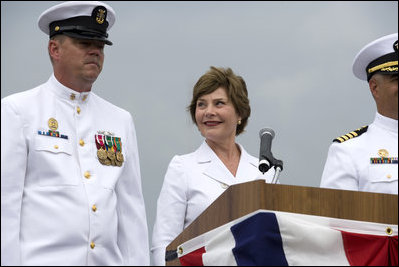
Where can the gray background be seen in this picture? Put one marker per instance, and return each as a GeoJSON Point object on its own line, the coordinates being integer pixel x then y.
{"type": "Point", "coordinates": [296, 58]}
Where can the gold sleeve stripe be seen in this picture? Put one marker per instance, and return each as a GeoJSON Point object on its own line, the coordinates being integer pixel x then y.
{"type": "Point", "coordinates": [354, 134]}
{"type": "Point", "coordinates": [341, 139]}
{"type": "Point", "coordinates": [387, 64]}
{"type": "Point", "coordinates": [349, 135]}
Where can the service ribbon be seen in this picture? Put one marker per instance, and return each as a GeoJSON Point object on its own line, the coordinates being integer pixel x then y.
{"type": "Point", "coordinates": [109, 142]}
{"type": "Point", "coordinates": [99, 141]}
{"type": "Point", "coordinates": [391, 160]}
{"type": "Point", "coordinates": [118, 143]}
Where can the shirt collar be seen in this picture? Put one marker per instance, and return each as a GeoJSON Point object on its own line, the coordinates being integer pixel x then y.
{"type": "Point", "coordinates": [66, 93]}
{"type": "Point", "coordinates": [206, 154]}
{"type": "Point", "coordinates": [386, 123]}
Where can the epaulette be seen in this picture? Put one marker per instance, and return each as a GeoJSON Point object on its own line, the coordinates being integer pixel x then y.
{"type": "Point", "coordinates": [351, 135]}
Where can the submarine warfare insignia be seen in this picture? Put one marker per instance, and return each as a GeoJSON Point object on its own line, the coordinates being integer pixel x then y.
{"type": "Point", "coordinates": [109, 149]}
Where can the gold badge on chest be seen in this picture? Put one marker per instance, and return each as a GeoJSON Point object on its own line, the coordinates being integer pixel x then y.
{"type": "Point", "coordinates": [53, 125]}
{"type": "Point", "coordinates": [383, 158]}
{"type": "Point", "coordinates": [109, 149]}
{"type": "Point", "coordinates": [383, 153]}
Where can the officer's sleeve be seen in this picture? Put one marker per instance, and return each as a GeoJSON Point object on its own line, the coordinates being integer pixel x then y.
{"type": "Point", "coordinates": [340, 170]}
{"type": "Point", "coordinates": [13, 168]}
{"type": "Point", "coordinates": [132, 220]}
{"type": "Point", "coordinates": [171, 210]}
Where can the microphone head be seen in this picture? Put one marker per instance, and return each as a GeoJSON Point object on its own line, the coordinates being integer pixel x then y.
{"type": "Point", "coordinates": [268, 131]}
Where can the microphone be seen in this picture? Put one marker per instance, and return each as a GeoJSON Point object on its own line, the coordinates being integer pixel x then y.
{"type": "Point", "coordinates": [266, 158]}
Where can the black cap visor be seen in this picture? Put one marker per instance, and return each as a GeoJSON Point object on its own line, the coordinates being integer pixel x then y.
{"type": "Point", "coordinates": [87, 37]}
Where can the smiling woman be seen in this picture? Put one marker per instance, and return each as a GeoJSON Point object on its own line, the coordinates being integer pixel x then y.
{"type": "Point", "coordinates": [220, 108]}
{"type": "Point", "coordinates": [235, 93]}
{"type": "Point", "coordinates": [216, 117]}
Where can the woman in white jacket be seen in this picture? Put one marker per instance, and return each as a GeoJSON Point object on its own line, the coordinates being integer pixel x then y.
{"type": "Point", "coordinates": [220, 109]}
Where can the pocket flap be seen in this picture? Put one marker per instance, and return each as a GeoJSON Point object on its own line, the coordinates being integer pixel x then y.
{"type": "Point", "coordinates": [383, 173]}
{"type": "Point", "coordinates": [53, 144]}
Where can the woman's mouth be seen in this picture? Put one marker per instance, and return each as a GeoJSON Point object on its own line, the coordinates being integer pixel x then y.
{"type": "Point", "coordinates": [212, 123]}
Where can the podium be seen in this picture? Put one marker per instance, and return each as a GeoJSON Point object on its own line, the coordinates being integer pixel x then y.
{"type": "Point", "coordinates": [241, 199]}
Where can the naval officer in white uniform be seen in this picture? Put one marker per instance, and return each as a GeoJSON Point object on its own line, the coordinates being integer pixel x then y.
{"type": "Point", "coordinates": [70, 178]}
{"type": "Point", "coordinates": [220, 109]}
{"type": "Point", "coordinates": [367, 158]}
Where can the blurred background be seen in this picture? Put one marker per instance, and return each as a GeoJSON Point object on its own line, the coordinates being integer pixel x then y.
{"type": "Point", "coordinates": [296, 58]}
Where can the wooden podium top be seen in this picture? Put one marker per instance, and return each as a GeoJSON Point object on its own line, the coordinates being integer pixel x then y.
{"type": "Point", "coordinates": [241, 199]}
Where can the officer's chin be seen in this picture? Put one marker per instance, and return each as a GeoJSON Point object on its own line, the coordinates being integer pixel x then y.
{"type": "Point", "coordinates": [92, 77]}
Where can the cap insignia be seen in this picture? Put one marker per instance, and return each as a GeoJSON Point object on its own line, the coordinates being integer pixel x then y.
{"type": "Point", "coordinates": [395, 46]}
{"type": "Point", "coordinates": [100, 14]}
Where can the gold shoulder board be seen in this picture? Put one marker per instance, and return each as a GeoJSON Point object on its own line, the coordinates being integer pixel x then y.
{"type": "Point", "coordinates": [351, 135]}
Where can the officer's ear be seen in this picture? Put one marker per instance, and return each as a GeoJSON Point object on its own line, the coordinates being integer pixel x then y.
{"type": "Point", "coordinates": [53, 49]}
{"type": "Point", "coordinates": [54, 46]}
{"type": "Point", "coordinates": [373, 85]}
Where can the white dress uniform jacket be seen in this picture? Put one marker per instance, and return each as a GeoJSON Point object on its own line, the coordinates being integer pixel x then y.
{"type": "Point", "coordinates": [192, 182]}
{"type": "Point", "coordinates": [349, 164]}
{"type": "Point", "coordinates": [59, 204]}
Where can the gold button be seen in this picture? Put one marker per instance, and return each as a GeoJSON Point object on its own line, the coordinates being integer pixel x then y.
{"type": "Point", "coordinates": [56, 147]}
{"type": "Point", "coordinates": [87, 175]}
{"type": "Point", "coordinates": [94, 208]}
{"type": "Point", "coordinates": [389, 230]}
{"type": "Point", "coordinates": [57, 28]}
{"type": "Point", "coordinates": [72, 97]}
{"type": "Point", "coordinates": [389, 176]}
{"type": "Point", "coordinates": [84, 97]}
{"type": "Point", "coordinates": [78, 110]}
{"type": "Point", "coordinates": [92, 245]}
{"type": "Point", "coordinates": [81, 142]}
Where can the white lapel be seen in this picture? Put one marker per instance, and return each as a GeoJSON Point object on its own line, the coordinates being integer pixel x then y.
{"type": "Point", "coordinates": [213, 167]}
